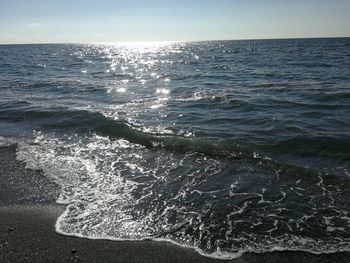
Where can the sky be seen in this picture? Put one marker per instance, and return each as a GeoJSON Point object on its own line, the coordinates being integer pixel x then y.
{"type": "Point", "coordinates": [85, 21]}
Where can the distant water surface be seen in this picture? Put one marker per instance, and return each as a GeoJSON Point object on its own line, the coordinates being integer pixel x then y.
{"type": "Point", "coordinates": [224, 146]}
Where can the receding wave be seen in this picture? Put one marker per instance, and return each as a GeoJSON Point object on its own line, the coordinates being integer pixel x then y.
{"type": "Point", "coordinates": [222, 207]}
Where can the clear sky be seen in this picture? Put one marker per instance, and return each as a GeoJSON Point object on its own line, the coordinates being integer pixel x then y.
{"type": "Point", "coordinates": [45, 21]}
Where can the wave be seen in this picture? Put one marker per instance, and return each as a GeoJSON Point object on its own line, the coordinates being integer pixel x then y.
{"type": "Point", "coordinates": [123, 130]}
{"type": "Point", "coordinates": [83, 121]}
{"type": "Point", "coordinates": [86, 121]}
{"type": "Point", "coordinates": [110, 190]}
{"type": "Point", "coordinates": [226, 149]}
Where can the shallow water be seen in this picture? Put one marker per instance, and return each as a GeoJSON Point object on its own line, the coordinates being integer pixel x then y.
{"type": "Point", "coordinates": [227, 146]}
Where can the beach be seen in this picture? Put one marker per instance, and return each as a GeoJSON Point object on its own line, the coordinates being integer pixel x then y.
{"type": "Point", "coordinates": [27, 221]}
{"type": "Point", "coordinates": [175, 152]}
{"type": "Point", "coordinates": [175, 131]}
{"type": "Point", "coordinates": [28, 235]}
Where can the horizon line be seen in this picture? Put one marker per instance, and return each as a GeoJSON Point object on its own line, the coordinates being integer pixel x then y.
{"type": "Point", "coordinates": [164, 41]}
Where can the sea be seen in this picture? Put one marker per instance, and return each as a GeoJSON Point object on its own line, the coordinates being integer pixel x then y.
{"type": "Point", "coordinates": [225, 147]}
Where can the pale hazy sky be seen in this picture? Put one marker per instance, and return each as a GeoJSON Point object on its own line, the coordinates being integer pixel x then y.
{"type": "Point", "coordinates": [39, 21]}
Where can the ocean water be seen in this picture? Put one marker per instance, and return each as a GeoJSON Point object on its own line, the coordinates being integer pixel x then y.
{"type": "Point", "coordinates": [225, 146]}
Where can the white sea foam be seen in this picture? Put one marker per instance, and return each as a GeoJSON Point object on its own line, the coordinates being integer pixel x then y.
{"type": "Point", "coordinates": [119, 191]}
{"type": "Point", "coordinates": [6, 141]}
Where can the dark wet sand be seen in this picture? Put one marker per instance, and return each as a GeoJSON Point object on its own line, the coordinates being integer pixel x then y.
{"type": "Point", "coordinates": [28, 214]}
{"type": "Point", "coordinates": [27, 235]}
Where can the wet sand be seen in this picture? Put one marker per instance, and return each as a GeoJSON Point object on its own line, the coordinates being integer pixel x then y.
{"type": "Point", "coordinates": [27, 235]}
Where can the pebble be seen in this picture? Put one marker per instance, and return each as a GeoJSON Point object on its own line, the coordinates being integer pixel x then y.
{"type": "Point", "coordinates": [11, 229]}
{"type": "Point", "coordinates": [74, 251]}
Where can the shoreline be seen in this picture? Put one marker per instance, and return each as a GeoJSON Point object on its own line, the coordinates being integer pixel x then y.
{"type": "Point", "coordinates": [28, 214]}
{"type": "Point", "coordinates": [27, 234]}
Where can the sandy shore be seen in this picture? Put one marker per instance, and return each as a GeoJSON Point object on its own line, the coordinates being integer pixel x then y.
{"type": "Point", "coordinates": [28, 214]}
{"type": "Point", "coordinates": [27, 235]}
